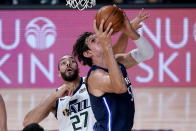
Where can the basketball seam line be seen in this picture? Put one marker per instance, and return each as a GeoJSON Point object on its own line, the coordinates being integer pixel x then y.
{"type": "Point", "coordinates": [113, 12]}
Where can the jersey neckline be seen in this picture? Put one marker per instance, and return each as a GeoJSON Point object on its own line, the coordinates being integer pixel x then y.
{"type": "Point", "coordinates": [79, 86]}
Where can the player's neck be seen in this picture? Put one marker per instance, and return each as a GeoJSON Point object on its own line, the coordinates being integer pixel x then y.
{"type": "Point", "coordinates": [74, 84]}
{"type": "Point", "coordinates": [100, 61]}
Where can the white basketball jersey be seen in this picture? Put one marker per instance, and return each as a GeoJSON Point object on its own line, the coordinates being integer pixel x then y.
{"type": "Point", "coordinates": [74, 113]}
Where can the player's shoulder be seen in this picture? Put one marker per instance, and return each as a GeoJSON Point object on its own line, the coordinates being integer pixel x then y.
{"type": "Point", "coordinates": [101, 72]}
{"type": "Point", "coordinates": [97, 76]}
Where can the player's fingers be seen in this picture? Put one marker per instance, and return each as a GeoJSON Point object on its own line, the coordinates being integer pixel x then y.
{"type": "Point", "coordinates": [101, 25]}
{"type": "Point", "coordinates": [95, 26]}
{"type": "Point", "coordinates": [108, 28]}
{"type": "Point", "coordinates": [144, 17]}
{"type": "Point", "coordinates": [139, 26]}
{"type": "Point", "coordinates": [142, 10]}
{"type": "Point", "coordinates": [140, 13]}
{"type": "Point", "coordinates": [125, 15]}
{"type": "Point", "coordinates": [70, 92]}
{"type": "Point", "coordinates": [145, 14]}
{"type": "Point", "coordinates": [110, 33]}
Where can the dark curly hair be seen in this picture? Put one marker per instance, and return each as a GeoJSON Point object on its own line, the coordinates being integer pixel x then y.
{"type": "Point", "coordinates": [33, 127]}
{"type": "Point", "coordinates": [80, 47]}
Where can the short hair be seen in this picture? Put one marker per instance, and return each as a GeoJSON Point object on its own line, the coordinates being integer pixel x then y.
{"type": "Point", "coordinates": [33, 127]}
{"type": "Point", "coordinates": [80, 47]}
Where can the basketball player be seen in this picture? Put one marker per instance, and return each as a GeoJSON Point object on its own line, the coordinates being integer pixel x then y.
{"type": "Point", "coordinates": [71, 104]}
{"type": "Point", "coordinates": [3, 116]}
{"type": "Point", "coordinates": [109, 87]}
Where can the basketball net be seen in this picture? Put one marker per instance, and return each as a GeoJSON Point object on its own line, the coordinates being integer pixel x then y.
{"type": "Point", "coordinates": [81, 4]}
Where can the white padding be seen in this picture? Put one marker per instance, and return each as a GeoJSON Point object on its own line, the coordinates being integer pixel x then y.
{"type": "Point", "coordinates": [144, 50]}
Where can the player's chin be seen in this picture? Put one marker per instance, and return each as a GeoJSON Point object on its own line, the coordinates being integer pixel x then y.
{"type": "Point", "coordinates": [69, 74]}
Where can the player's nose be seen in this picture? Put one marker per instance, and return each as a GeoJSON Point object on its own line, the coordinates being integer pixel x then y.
{"type": "Point", "coordinates": [68, 63]}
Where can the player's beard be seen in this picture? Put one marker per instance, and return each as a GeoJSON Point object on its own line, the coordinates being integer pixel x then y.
{"type": "Point", "coordinates": [70, 77]}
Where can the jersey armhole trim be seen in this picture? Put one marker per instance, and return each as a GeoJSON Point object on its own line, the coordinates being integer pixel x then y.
{"type": "Point", "coordinates": [57, 104]}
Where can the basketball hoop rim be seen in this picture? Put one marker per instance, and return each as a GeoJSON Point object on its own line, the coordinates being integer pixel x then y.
{"type": "Point", "coordinates": [80, 4]}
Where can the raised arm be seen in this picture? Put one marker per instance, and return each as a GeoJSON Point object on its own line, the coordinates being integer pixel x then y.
{"type": "Point", "coordinates": [121, 44]}
{"type": "Point", "coordinates": [100, 81]}
{"type": "Point", "coordinates": [3, 115]}
{"type": "Point", "coordinates": [45, 107]}
{"type": "Point", "coordinates": [144, 50]}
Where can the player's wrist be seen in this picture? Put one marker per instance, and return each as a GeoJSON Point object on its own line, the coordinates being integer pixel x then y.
{"type": "Point", "coordinates": [56, 96]}
{"type": "Point", "coordinates": [133, 35]}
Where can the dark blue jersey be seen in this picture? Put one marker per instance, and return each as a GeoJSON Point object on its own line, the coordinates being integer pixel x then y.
{"type": "Point", "coordinates": [113, 112]}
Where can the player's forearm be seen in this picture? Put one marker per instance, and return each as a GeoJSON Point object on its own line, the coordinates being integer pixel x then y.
{"type": "Point", "coordinates": [3, 115]}
{"type": "Point", "coordinates": [117, 80]}
{"type": "Point", "coordinates": [41, 111]}
{"type": "Point", "coordinates": [3, 122]}
{"type": "Point", "coordinates": [3, 128]}
{"type": "Point", "coordinates": [35, 116]}
{"type": "Point", "coordinates": [144, 50]}
{"type": "Point", "coordinates": [133, 35]}
{"type": "Point", "coordinates": [121, 45]}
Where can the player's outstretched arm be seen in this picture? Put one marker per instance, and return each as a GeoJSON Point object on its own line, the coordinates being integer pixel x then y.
{"type": "Point", "coordinates": [3, 115]}
{"type": "Point", "coordinates": [121, 44]}
{"type": "Point", "coordinates": [41, 111]}
{"type": "Point", "coordinates": [46, 106]}
{"type": "Point", "coordinates": [144, 50]}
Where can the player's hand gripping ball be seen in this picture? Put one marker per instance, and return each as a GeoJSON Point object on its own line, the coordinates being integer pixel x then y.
{"type": "Point", "coordinates": [112, 14]}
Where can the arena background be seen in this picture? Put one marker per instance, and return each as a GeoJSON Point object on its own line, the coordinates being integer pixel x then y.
{"type": "Point", "coordinates": [33, 39]}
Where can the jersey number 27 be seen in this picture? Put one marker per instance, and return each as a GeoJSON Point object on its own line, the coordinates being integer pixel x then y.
{"type": "Point", "coordinates": [78, 119]}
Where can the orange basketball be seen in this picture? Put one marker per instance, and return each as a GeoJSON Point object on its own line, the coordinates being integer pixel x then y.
{"type": "Point", "coordinates": [112, 14]}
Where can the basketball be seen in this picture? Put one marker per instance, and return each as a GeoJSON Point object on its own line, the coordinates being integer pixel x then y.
{"type": "Point", "coordinates": [112, 14]}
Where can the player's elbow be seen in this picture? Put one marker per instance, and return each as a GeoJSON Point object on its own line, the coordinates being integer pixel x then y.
{"type": "Point", "coordinates": [150, 53]}
{"type": "Point", "coordinates": [120, 91]}
{"type": "Point", "coordinates": [122, 88]}
{"type": "Point", "coordinates": [26, 121]}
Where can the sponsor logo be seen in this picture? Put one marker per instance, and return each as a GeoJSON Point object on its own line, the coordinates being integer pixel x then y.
{"type": "Point", "coordinates": [40, 33]}
{"type": "Point", "coordinates": [76, 106]}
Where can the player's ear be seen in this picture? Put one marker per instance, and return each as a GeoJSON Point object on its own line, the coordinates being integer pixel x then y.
{"type": "Point", "coordinates": [87, 54]}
